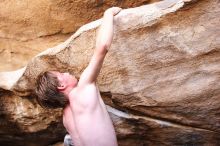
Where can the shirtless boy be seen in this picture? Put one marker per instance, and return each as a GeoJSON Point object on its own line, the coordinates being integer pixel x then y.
{"type": "Point", "coordinates": [84, 116]}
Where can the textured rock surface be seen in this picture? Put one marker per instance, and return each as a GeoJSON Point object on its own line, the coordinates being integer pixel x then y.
{"type": "Point", "coordinates": [160, 80]}
{"type": "Point", "coordinates": [29, 27]}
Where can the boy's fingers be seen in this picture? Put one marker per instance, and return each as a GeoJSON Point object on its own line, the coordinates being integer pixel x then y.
{"type": "Point", "coordinates": [116, 10]}
{"type": "Point", "coordinates": [113, 10]}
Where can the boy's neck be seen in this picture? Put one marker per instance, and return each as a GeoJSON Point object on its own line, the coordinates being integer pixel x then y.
{"type": "Point", "coordinates": [67, 91]}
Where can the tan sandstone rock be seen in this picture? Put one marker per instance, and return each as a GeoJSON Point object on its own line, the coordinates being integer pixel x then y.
{"type": "Point", "coordinates": [29, 27]}
{"type": "Point", "coordinates": [160, 79]}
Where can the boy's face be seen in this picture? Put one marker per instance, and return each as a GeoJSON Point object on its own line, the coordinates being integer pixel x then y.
{"type": "Point", "coordinates": [65, 79]}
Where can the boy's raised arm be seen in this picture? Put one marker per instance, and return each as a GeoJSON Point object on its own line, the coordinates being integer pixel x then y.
{"type": "Point", "coordinates": [103, 42]}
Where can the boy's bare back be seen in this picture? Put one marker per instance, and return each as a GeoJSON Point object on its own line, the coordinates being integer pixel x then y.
{"type": "Point", "coordinates": [87, 120]}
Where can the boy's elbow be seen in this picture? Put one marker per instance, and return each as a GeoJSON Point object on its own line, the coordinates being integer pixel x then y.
{"type": "Point", "coordinates": [102, 48]}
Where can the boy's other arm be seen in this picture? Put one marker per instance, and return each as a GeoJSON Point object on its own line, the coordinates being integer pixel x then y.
{"type": "Point", "coordinates": [103, 42]}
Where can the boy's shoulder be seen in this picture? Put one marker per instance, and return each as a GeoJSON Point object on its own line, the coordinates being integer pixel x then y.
{"type": "Point", "coordinates": [82, 88]}
{"type": "Point", "coordinates": [84, 96]}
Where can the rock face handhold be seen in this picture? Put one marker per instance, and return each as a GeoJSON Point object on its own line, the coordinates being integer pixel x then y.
{"type": "Point", "coordinates": [160, 79]}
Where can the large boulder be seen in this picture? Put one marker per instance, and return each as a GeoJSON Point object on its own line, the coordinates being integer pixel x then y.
{"type": "Point", "coordinates": [160, 79]}
{"type": "Point", "coordinates": [29, 27]}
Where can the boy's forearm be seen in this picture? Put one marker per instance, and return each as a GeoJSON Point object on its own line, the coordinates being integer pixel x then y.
{"type": "Point", "coordinates": [103, 42]}
{"type": "Point", "coordinates": [105, 34]}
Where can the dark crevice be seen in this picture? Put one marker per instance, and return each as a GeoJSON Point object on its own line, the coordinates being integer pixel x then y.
{"type": "Point", "coordinates": [140, 114]}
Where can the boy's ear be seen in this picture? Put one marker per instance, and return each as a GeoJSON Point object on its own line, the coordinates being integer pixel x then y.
{"type": "Point", "coordinates": [61, 87]}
